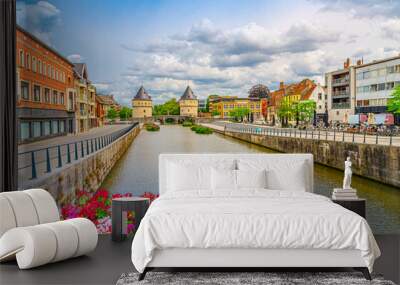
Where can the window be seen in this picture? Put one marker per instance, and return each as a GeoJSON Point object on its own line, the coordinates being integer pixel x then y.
{"type": "Point", "coordinates": [21, 58]}
{"type": "Point", "coordinates": [40, 66]}
{"type": "Point", "coordinates": [62, 126]}
{"type": "Point", "coordinates": [46, 128]}
{"type": "Point", "coordinates": [390, 69]}
{"type": "Point", "coordinates": [44, 69]}
{"type": "Point", "coordinates": [55, 97]}
{"type": "Point", "coordinates": [28, 61]}
{"type": "Point", "coordinates": [70, 100]}
{"type": "Point", "coordinates": [397, 68]}
{"type": "Point", "coordinates": [34, 64]}
{"type": "Point", "coordinates": [53, 73]}
{"type": "Point", "coordinates": [36, 93]}
{"type": "Point", "coordinates": [54, 127]}
{"type": "Point", "coordinates": [389, 85]}
{"type": "Point", "coordinates": [25, 133]}
{"type": "Point", "coordinates": [319, 96]}
{"type": "Point", "coordinates": [56, 74]}
{"type": "Point", "coordinates": [47, 95]}
{"type": "Point", "coordinates": [381, 86]}
{"type": "Point", "coordinates": [61, 98]}
{"type": "Point", "coordinates": [36, 126]}
{"type": "Point", "coordinates": [49, 70]}
{"type": "Point", "coordinates": [25, 90]}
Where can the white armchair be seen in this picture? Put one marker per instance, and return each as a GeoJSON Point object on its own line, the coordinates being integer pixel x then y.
{"type": "Point", "coordinates": [31, 230]}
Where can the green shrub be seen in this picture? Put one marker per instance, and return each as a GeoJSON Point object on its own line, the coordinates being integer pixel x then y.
{"type": "Point", "coordinates": [169, 120]}
{"type": "Point", "coordinates": [151, 127]}
{"type": "Point", "coordinates": [187, 124]}
{"type": "Point", "coordinates": [201, 130]}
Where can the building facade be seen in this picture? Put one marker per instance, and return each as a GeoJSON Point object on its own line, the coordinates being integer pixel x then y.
{"type": "Point", "coordinates": [319, 96]}
{"type": "Point", "coordinates": [45, 93]}
{"type": "Point", "coordinates": [103, 104]}
{"type": "Point", "coordinates": [188, 104]}
{"type": "Point", "coordinates": [142, 105]}
{"type": "Point", "coordinates": [341, 91]}
{"type": "Point", "coordinates": [224, 104]}
{"type": "Point", "coordinates": [374, 84]}
{"type": "Point", "coordinates": [273, 104]}
{"type": "Point", "coordinates": [85, 99]}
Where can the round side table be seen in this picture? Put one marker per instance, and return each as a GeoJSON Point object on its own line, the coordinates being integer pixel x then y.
{"type": "Point", "coordinates": [119, 215]}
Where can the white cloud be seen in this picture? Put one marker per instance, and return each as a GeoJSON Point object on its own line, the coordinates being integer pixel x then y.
{"type": "Point", "coordinates": [40, 18]}
{"type": "Point", "coordinates": [391, 29]}
{"type": "Point", "coordinates": [76, 58]}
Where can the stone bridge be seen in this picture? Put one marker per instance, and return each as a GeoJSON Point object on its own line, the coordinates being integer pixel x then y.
{"type": "Point", "coordinates": [175, 118]}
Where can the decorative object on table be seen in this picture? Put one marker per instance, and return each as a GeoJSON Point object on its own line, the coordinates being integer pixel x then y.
{"type": "Point", "coordinates": [345, 193]}
{"type": "Point", "coordinates": [124, 210]}
{"type": "Point", "coordinates": [216, 278]}
{"type": "Point", "coordinates": [31, 231]}
{"type": "Point", "coordinates": [355, 205]}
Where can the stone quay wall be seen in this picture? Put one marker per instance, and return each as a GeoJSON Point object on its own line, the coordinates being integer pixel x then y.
{"type": "Point", "coordinates": [377, 162]}
{"type": "Point", "coordinates": [87, 173]}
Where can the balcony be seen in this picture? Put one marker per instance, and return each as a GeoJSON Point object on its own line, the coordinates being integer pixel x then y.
{"type": "Point", "coordinates": [341, 94]}
{"type": "Point", "coordinates": [340, 81]}
{"type": "Point", "coordinates": [345, 105]}
{"type": "Point", "coordinates": [83, 112]}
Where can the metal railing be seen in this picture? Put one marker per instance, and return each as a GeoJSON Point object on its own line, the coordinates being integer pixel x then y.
{"type": "Point", "coordinates": [340, 105]}
{"type": "Point", "coordinates": [35, 163]}
{"type": "Point", "coordinates": [327, 135]}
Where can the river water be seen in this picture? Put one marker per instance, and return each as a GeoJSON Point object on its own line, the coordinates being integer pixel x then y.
{"type": "Point", "coordinates": [137, 171]}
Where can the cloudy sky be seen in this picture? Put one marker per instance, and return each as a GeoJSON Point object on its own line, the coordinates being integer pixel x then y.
{"type": "Point", "coordinates": [221, 47]}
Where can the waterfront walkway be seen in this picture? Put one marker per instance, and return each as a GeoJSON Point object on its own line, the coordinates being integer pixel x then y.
{"type": "Point", "coordinates": [42, 157]}
{"type": "Point", "coordinates": [305, 134]}
{"type": "Point", "coordinates": [70, 138]}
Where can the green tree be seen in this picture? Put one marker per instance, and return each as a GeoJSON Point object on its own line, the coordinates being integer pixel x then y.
{"type": "Point", "coordinates": [303, 111]}
{"type": "Point", "coordinates": [171, 107]}
{"type": "Point", "coordinates": [215, 113]}
{"type": "Point", "coordinates": [393, 104]}
{"type": "Point", "coordinates": [125, 113]}
{"type": "Point", "coordinates": [239, 113]}
{"type": "Point", "coordinates": [285, 112]}
{"type": "Point", "coordinates": [112, 114]}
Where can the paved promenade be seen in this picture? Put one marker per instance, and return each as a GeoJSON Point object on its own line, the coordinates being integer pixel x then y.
{"type": "Point", "coordinates": [95, 132]}
{"type": "Point", "coordinates": [316, 135]}
{"type": "Point", "coordinates": [47, 156]}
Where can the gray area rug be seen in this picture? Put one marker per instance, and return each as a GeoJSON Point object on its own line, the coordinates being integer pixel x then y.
{"type": "Point", "coordinates": [228, 278]}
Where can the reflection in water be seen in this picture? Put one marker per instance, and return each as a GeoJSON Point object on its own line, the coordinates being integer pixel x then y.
{"type": "Point", "coordinates": [137, 171]}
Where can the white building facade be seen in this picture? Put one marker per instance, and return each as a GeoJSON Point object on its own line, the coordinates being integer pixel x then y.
{"type": "Point", "coordinates": [374, 84]}
{"type": "Point", "coordinates": [340, 88]}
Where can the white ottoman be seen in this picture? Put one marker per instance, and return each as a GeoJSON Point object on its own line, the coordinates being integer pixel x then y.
{"type": "Point", "coordinates": [23, 235]}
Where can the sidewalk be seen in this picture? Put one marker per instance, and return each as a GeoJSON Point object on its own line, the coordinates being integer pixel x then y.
{"type": "Point", "coordinates": [315, 135]}
{"type": "Point", "coordinates": [95, 132]}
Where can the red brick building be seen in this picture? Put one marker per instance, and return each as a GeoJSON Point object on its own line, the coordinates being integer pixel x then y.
{"type": "Point", "coordinates": [46, 94]}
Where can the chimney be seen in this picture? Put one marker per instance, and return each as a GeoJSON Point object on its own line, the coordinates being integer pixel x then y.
{"type": "Point", "coordinates": [346, 63]}
{"type": "Point", "coordinates": [281, 85]}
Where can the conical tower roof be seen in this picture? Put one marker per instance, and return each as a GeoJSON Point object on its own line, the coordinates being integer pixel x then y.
{"type": "Point", "coordinates": [188, 94]}
{"type": "Point", "coordinates": [142, 94]}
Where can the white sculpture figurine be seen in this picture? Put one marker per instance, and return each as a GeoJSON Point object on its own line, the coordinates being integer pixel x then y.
{"type": "Point", "coordinates": [347, 174]}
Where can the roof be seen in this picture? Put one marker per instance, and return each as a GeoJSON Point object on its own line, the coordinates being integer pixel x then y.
{"type": "Point", "coordinates": [80, 70]}
{"type": "Point", "coordinates": [142, 94]}
{"type": "Point", "coordinates": [36, 39]}
{"type": "Point", "coordinates": [378, 61]}
{"type": "Point", "coordinates": [106, 99]}
{"type": "Point", "coordinates": [188, 94]}
{"type": "Point", "coordinates": [304, 88]}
